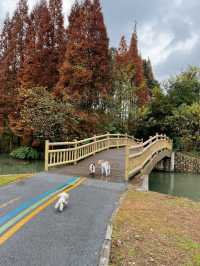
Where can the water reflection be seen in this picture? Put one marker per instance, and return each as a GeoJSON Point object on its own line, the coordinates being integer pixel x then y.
{"type": "Point", "coordinates": [184, 185]}
{"type": "Point", "coordinates": [12, 166]}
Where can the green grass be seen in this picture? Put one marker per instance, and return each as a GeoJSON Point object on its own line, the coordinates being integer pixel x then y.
{"type": "Point", "coordinates": [7, 179]}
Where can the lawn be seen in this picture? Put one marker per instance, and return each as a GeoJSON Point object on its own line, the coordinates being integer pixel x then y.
{"type": "Point", "coordinates": [7, 179]}
{"type": "Point", "coordinates": [154, 229]}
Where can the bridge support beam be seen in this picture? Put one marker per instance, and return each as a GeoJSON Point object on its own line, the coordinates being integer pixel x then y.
{"type": "Point", "coordinates": [145, 183]}
{"type": "Point", "coordinates": [172, 165]}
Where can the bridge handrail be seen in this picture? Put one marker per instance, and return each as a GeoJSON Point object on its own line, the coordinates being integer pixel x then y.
{"type": "Point", "coordinates": [63, 153]}
{"type": "Point", "coordinates": [138, 155]}
{"type": "Point", "coordinates": [92, 138]}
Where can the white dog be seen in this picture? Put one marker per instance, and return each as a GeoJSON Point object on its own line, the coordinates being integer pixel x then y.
{"type": "Point", "coordinates": [62, 201]}
{"type": "Point", "coordinates": [105, 167]}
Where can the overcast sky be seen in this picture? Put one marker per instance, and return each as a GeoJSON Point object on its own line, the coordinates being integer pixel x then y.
{"type": "Point", "coordinates": [168, 31]}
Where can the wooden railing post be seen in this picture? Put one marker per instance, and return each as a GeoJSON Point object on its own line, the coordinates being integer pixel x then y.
{"type": "Point", "coordinates": [126, 136]}
{"type": "Point", "coordinates": [108, 140]}
{"type": "Point", "coordinates": [95, 145]}
{"type": "Point", "coordinates": [46, 155]}
{"type": "Point", "coordinates": [157, 136]}
{"type": "Point", "coordinates": [75, 151]}
{"type": "Point", "coordinates": [126, 162]}
{"type": "Point", "coordinates": [118, 141]}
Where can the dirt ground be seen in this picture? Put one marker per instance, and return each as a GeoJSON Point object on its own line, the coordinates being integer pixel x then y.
{"type": "Point", "coordinates": [154, 229]}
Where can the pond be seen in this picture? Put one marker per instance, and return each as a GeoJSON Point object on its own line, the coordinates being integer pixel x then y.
{"type": "Point", "coordinates": [12, 166]}
{"type": "Point", "coordinates": [177, 184]}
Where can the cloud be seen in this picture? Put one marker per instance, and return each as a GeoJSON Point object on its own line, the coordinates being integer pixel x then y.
{"type": "Point", "coordinates": [168, 31]}
{"type": "Point", "coordinates": [9, 6]}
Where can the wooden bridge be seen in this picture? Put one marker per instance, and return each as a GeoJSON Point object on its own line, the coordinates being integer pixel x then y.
{"type": "Point", "coordinates": [128, 156]}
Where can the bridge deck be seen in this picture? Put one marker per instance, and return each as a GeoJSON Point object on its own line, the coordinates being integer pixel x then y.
{"type": "Point", "coordinates": [116, 157]}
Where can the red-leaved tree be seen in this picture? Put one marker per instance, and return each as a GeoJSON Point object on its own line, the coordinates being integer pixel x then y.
{"type": "Point", "coordinates": [142, 92]}
{"type": "Point", "coordinates": [84, 76]}
{"type": "Point", "coordinates": [58, 38]}
{"type": "Point", "coordinates": [12, 56]}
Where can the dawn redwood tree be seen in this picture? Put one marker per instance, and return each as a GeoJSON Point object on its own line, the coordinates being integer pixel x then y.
{"type": "Point", "coordinates": [38, 69]}
{"type": "Point", "coordinates": [4, 41]}
{"type": "Point", "coordinates": [4, 48]}
{"type": "Point", "coordinates": [12, 55]}
{"type": "Point", "coordinates": [73, 73]}
{"type": "Point", "coordinates": [84, 76]}
{"type": "Point", "coordinates": [98, 53]}
{"type": "Point", "coordinates": [142, 92]}
{"type": "Point", "coordinates": [58, 37]}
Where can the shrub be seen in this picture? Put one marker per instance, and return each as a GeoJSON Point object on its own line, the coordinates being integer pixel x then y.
{"type": "Point", "coordinates": [25, 153]}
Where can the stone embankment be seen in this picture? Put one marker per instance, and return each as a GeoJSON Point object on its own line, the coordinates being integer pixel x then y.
{"type": "Point", "coordinates": [186, 164]}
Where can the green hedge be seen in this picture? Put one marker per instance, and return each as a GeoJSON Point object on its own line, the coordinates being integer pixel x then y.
{"type": "Point", "coordinates": [25, 153]}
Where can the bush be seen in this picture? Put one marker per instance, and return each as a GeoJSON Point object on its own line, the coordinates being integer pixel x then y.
{"type": "Point", "coordinates": [25, 153]}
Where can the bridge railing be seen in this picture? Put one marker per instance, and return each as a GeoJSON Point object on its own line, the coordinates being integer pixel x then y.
{"type": "Point", "coordinates": [63, 153]}
{"type": "Point", "coordinates": [139, 155]}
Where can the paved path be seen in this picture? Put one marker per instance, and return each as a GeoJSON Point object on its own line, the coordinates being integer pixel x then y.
{"type": "Point", "coordinates": [71, 238]}
{"type": "Point", "coordinates": [116, 157]}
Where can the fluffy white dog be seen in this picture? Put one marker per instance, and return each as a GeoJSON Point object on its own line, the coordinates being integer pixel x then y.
{"type": "Point", "coordinates": [62, 201]}
{"type": "Point", "coordinates": [105, 167]}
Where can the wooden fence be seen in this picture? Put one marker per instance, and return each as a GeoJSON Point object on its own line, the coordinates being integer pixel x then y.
{"type": "Point", "coordinates": [139, 155]}
{"type": "Point", "coordinates": [63, 153]}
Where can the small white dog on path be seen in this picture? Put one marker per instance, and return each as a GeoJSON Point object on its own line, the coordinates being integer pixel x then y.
{"type": "Point", "coordinates": [62, 201]}
{"type": "Point", "coordinates": [105, 167]}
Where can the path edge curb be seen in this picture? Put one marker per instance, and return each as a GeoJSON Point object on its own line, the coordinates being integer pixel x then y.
{"type": "Point", "coordinates": [106, 247]}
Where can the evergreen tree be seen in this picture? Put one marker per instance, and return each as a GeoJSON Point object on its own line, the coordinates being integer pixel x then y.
{"type": "Point", "coordinates": [149, 76]}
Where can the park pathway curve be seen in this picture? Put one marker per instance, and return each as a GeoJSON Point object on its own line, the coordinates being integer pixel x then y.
{"type": "Point", "coordinates": [71, 238]}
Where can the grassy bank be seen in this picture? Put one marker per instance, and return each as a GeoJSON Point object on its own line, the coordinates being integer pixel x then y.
{"type": "Point", "coordinates": [7, 179]}
{"type": "Point", "coordinates": [155, 229]}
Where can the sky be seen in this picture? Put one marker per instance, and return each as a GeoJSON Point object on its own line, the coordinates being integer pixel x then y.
{"type": "Point", "coordinates": [168, 31]}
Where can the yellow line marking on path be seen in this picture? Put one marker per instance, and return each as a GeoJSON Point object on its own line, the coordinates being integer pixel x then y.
{"type": "Point", "coordinates": [26, 219]}
{"type": "Point", "coordinates": [9, 202]}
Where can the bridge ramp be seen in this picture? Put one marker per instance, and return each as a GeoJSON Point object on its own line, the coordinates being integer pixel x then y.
{"type": "Point", "coordinates": [116, 157]}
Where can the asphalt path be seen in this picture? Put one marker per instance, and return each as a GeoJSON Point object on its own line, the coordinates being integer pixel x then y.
{"type": "Point", "coordinates": [71, 238]}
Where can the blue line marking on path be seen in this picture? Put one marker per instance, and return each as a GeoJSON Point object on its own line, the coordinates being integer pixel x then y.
{"type": "Point", "coordinates": [30, 202]}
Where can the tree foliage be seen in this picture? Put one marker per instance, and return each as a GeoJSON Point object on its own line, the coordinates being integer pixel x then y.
{"type": "Point", "coordinates": [151, 82]}
{"type": "Point", "coordinates": [45, 116]}
{"type": "Point", "coordinates": [25, 153]}
{"type": "Point", "coordinates": [186, 121]}
{"type": "Point", "coordinates": [184, 88]}
{"type": "Point", "coordinates": [85, 74]}
{"type": "Point", "coordinates": [142, 93]}
{"type": "Point", "coordinates": [175, 112]}
{"type": "Point", "coordinates": [124, 91]}
{"type": "Point", "coordinates": [60, 84]}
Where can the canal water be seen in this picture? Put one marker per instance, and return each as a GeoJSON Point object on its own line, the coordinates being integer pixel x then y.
{"type": "Point", "coordinates": [12, 166]}
{"type": "Point", "coordinates": [177, 184]}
